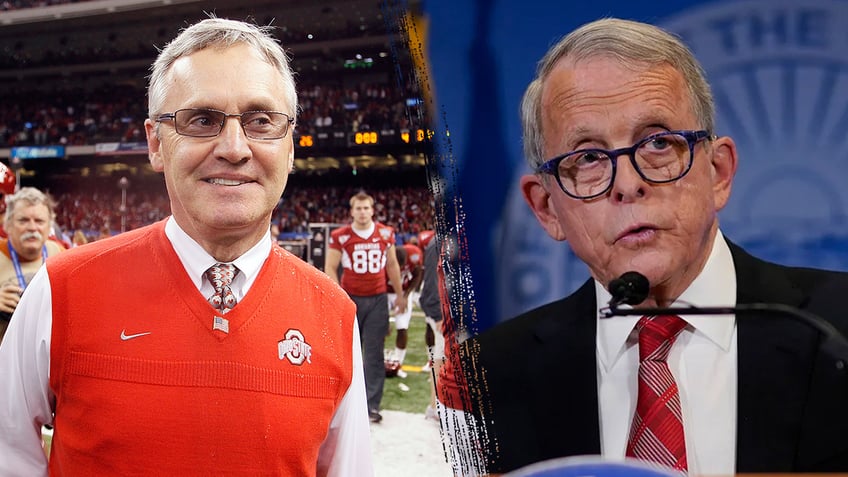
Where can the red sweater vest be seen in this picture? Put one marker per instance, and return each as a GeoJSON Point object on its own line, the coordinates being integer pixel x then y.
{"type": "Point", "coordinates": [145, 386]}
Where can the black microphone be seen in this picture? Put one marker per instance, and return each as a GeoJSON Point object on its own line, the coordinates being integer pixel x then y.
{"type": "Point", "coordinates": [632, 288]}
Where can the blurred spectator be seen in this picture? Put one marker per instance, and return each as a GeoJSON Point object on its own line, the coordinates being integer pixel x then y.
{"type": "Point", "coordinates": [104, 233]}
{"type": "Point", "coordinates": [79, 238]}
{"type": "Point", "coordinates": [7, 5]}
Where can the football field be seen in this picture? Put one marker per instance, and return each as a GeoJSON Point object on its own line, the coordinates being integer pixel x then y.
{"type": "Point", "coordinates": [412, 393]}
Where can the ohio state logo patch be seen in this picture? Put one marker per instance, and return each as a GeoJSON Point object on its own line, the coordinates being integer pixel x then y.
{"type": "Point", "coordinates": [294, 348]}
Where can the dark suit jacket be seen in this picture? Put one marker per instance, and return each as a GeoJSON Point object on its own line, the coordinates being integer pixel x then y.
{"type": "Point", "coordinates": [533, 379]}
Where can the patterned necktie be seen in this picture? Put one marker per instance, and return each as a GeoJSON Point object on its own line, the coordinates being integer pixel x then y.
{"type": "Point", "coordinates": [221, 276]}
{"type": "Point", "coordinates": [656, 434]}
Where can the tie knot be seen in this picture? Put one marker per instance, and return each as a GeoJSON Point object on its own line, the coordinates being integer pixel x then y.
{"type": "Point", "coordinates": [657, 334]}
{"type": "Point", "coordinates": [221, 275]}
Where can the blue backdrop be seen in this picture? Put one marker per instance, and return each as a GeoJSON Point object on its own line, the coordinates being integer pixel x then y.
{"type": "Point", "coordinates": [779, 71]}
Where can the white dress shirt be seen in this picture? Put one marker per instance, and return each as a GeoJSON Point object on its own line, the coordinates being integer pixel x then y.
{"type": "Point", "coordinates": [702, 361]}
{"type": "Point", "coordinates": [26, 401]}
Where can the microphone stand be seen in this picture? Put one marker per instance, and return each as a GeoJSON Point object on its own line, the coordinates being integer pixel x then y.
{"type": "Point", "coordinates": [834, 343]}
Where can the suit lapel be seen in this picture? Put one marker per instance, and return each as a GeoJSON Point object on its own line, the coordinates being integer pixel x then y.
{"type": "Point", "coordinates": [568, 342]}
{"type": "Point", "coordinates": [773, 371]}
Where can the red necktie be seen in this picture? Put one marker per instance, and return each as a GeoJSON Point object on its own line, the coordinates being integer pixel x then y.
{"type": "Point", "coordinates": [656, 434]}
{"type": "Point", "coordinates": [221, 276]}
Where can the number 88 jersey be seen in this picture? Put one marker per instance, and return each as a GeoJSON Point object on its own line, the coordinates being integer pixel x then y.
{"type": "Point", "coordinates": [363, 258]}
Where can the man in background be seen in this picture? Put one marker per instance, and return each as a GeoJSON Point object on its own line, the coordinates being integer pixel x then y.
{"type": "Point", "coordinates": [432, 304]}
{"type": "Point", "coordinates": [28, 219]}
{"type": "Point", "coordinates": [365, 250]}
{"type": "Point", "coordinates": [411, 261]}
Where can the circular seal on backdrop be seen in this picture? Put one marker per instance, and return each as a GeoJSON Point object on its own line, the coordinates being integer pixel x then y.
{"type": "Point", "coordinates": [779, 75]}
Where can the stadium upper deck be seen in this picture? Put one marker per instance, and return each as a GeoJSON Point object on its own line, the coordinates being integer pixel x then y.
{"type": "Point", "coordinates": [72, 77]}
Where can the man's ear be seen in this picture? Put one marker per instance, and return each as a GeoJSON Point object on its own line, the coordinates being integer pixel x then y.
{"type": "Point", "coordinates": [153, 146]}
{"type": "Point", "coordinates": [724, 162]}
{"type": "Point", "coordinates": [539, 199]}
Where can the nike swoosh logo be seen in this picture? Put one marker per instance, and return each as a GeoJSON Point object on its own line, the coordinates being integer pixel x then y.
{"type": "Point", "coordinates": [125, 336]}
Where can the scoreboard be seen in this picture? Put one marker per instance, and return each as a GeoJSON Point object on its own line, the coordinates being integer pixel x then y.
{"type": "Point", "coordinates": [381, 137]}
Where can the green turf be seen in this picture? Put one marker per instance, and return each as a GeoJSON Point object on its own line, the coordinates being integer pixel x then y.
{"type": "Point", "coordinates": [419, 384]}
{"type": "Point", "coordinates": [48, 439]}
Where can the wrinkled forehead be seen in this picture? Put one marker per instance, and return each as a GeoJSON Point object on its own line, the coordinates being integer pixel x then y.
{"type": "Point", "coordinates": [605, 75]}
{"type": "Point", "coordinates": [610, 90]}
{"type": "Point", "coordinates": [29, 209]}
{"type": "Point", "coordinates": [207, 76]}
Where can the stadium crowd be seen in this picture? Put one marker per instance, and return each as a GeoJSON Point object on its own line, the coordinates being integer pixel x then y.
{"type": "Point", "coordinates": [116, 113]}
{"type": "Point", "coordinates": [7, 5]}
{"type": "Point", "coordinates": [140, 41]}
{"type": "Point", "coordinates": [97, 211]}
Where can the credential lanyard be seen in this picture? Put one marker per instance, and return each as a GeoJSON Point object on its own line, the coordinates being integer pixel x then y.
{"type": "Point", "coordinates": [17, 263]}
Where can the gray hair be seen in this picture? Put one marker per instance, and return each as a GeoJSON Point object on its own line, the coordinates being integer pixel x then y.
{"type": "Point", "coordinates": [219, 33]}
{"type": "Point", "coordinates": [28, 196]}
{"type": "Point", "coordinates": [634, 44]}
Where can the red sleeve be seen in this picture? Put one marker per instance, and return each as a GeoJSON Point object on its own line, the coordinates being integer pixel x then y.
{"type": "Point", "coordinates": [334, 242]}
{"type": "Point", "coordinates": [414, 256]}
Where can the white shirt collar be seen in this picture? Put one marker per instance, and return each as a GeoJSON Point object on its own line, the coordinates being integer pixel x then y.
{"type": "Point", "coordinates": [364, 233]}
{"type": "Point", "coordinates": [715, 286]}
{"type": "Point", "coordinates": [196, 260]}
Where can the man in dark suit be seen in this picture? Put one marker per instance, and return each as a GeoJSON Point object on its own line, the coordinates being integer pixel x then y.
{"type": "Point", "coordinates": [618, 128]}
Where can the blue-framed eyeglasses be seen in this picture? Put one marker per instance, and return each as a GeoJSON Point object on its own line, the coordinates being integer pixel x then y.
{"type": "Point", "coordinates": [659, 158]}
{"type": "Point", "coordinates": [197, 122]}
